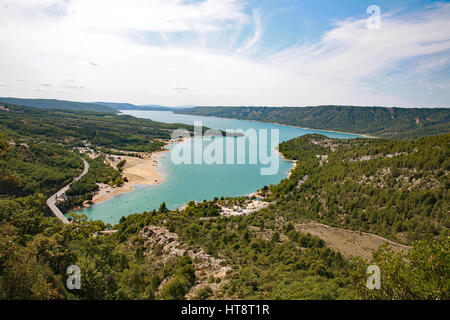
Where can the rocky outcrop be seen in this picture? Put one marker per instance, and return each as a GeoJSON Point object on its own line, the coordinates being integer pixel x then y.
{"type": "Point", "coordinates": [158, 241]}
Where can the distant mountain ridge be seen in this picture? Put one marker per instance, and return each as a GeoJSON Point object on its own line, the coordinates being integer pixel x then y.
{"type": "Point", "coordinates": [57, 104]}
{"type": "Point", "coordinates": [129, 106]}
{"type": "Point", "coordinates": [116, 105]}
{"type": "Point", "coordinates": [399, 123]}
{"type": "Point", "coordinates": [83, 106]}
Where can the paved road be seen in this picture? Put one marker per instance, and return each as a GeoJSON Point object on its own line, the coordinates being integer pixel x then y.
{"type": "Point", "coordinates": [51, 202]}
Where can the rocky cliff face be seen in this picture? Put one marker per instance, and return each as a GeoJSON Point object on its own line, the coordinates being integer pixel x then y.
{"type": "Point", "coordinates": [160, 246]}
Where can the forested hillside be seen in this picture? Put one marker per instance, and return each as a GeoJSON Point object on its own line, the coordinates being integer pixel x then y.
{"type": "Point", "coordinates": [75, 128]}
{"type": "Point", "coordinates": [42, 153]}
{"type": "Point", "coordinates": [399, 123]}
{"type": "Point", "coordinates": [38, 155]}
{"type": "Point", "coordinates": [395, 189]}
{"type": "Point", "coordinates": [57, 104]}
{"type": "Point", "coordinates": [129, 106]}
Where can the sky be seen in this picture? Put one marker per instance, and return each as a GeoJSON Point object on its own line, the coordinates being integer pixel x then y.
{"type": "Point", "coordinates": [227, 52]}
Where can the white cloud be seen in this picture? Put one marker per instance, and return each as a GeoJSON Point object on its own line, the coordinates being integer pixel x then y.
{"type": "Point", "coordinates": [68, 79]}
{"type": "Point", "coordinates": [152, 15]}
{"type": "Point", "coordinates": [89, 41]}
{"type": "Point", "coordinates": [258, 29]}
{"type": "Point", "coordinates": [351, 51]}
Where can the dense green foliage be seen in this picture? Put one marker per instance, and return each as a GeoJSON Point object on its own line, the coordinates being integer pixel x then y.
{"type": "Point", "coordinates": [81, 128]}
{"type": "Point", "coordinates": [82, 190]}
{"type": "Point", "coordinates": [41, 149]}
{"type": "Point", "coordinates": [44, 167]}
{"type": "Point", "coordinates": [37, 156]}
{"type": "Point", "coordinates": [36, 250]}
{"type": "Point", "coordinates": [33, 166]}
{"type": "Point", "coordinates": [297, 267]}
{"type": "Point", "coordinates": [383, 122]}
{"type": "Point", "coordinates": [202, 209]}
{"type": "Point", "coordinates": [421, 274]}
{"type": "Point", "coordinates": [397, 189]}
{"type": "Point", "coordinates": [57, 104]}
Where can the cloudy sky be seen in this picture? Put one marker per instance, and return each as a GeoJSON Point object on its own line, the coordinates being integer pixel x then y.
{"type": "Point", "coordinates": [227, 52]}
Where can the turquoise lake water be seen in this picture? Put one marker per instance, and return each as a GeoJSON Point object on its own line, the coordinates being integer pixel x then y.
{"type": "Point", "coordinates": [185, 182]}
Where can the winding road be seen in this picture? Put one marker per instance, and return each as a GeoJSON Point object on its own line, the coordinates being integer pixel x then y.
{"type": "Point", "coordinates": [51, 202]}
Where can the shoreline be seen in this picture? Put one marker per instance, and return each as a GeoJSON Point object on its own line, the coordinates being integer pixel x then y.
{"type": "Point", "coordinates": [289, 125]}
{"type": "Point", "coordinates": [295, 162]}
{"type": "Point", "coordinates": [138, 171]}
{"type": "Point", "coordinates": [154, 177]}
{"type": "Point", "coordinates": [333, 131]}
{"type": "Point", "coordinates": [107, 192]}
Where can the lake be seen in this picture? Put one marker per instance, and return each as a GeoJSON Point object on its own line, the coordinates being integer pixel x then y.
{"type": "Point", "coordinates": [185, 182]}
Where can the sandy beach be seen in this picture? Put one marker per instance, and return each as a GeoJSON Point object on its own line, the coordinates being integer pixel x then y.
{"type": "Point", "coordinates": [136, 170]}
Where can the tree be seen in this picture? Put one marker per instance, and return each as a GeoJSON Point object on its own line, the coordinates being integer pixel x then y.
{"type": "Point", "coordinates": [174, 289]}
{"type": "Point", "coordinates": [203, 293]}
{"type": "Point", "coordinates": [163, 208]}
{"type": "Point", "coordinates": [121, 164]}
{"type": "Point", "coordinates": [276, 236]}
{"type": "Point", "coordinates": [422, 273]}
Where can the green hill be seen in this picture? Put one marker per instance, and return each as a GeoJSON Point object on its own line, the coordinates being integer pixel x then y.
{"type": "Point", "coordinates": [394, 188]}
{"type": "Point", "coordinates": [57, 104]}
{"type": "Point", "coordinates": [117, 105]}
{"type": "Point", "coordinates": [399, 123]}
{"type": "Point", "coordinates": [72, 127]}
{"type": "Point", "coordinates": [398, 189]}
{"type": "Point", "coordinates": [129, 106]}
